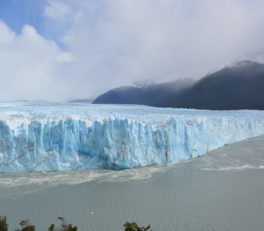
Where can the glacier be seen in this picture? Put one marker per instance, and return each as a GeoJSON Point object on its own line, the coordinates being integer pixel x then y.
{"type": "Point", "coordinates": [60, 137]}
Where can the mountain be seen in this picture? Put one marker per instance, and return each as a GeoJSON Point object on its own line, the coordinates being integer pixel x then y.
{"type": "Point", "coordinates": [240, 86]}
{"type": "Point", "coordinates": [151, 95]}
{"type": "Point", "coordinates": [254, 56]}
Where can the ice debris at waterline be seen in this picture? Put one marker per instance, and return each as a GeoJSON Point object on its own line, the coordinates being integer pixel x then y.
{"type": "Point", "coordinates": [66, 137]}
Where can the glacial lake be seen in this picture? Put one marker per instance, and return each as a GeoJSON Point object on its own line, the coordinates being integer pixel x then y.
{"type": "Point", "coordinates": [222, 190]}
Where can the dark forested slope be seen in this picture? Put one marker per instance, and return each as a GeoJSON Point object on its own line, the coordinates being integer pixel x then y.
{"type": "Point", "coordinates": [238, 87]}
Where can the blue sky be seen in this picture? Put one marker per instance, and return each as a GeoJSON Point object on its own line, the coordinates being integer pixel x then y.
{"type": "Point", "coordinates": [64, 49]}
{"type": "Point", "coordinates": [16, 13]}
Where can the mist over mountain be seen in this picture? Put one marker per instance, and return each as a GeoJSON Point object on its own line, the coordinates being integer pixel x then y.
{"type": "Point", "coordinates": [256, 56]}
{"type": "Point", "coordinates": [151, 95]}
{"type": "Point", "coordinates": [238, 86]}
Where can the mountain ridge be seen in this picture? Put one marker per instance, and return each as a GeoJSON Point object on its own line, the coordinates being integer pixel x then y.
{"type": "Point", "coordinates": [237, 86]}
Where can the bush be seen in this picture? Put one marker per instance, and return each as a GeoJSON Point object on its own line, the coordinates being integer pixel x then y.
{"type": "Point", "coordinates": [3, 224]}
{"type": "Point", "coordinates": [64, 226]}
{"type": "Point", "coordinates": [133, 226]}
{"type": "Point", "coordinates": [25, 225]}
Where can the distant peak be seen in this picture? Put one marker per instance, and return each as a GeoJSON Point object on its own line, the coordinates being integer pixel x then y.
{"type": "Point", "coordinates": [256, 56]}
{"type": "Point", "coordinates": [244, 63]}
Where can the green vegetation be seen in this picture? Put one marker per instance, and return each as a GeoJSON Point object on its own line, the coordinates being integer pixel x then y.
{"type": "Point", "coordinates": [64, 226]}
{"type": "Point", "coordinates": [133, 226]}
{"type": "Point", "coordinates": [25, 225]}
{"type": "Point", "coordinates": [3, 224]}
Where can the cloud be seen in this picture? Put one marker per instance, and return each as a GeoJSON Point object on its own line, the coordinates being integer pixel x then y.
{"type": "Point", "coordinates": [115, 42]}
{"type": "Point", "coordinates": [58, 10]}
{"type": "Point", "coordinates": [119, 42]}
{"type": "Point", "coordinates": [29, 65]}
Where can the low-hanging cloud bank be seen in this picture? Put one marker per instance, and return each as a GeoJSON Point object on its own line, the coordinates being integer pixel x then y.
{"type": "Point", "coordinates": [108, 43]}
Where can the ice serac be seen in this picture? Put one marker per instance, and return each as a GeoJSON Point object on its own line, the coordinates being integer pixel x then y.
{"type": "Point", "coordinates": [63, 137]}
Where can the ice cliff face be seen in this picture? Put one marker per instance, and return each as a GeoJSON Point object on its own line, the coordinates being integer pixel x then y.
{"type": "Point", "coordinates": [62, 137]}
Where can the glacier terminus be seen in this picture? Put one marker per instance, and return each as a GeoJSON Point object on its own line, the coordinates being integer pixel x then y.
{"type": "Point", "coordinates": [59, 137]}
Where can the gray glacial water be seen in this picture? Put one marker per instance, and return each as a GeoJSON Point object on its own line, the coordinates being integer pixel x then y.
{"type": "Point", "coordinates": [222, 190]}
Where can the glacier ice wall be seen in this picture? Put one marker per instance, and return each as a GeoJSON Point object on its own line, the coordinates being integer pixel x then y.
{"type": "Point", "coordinates": [67, 137]}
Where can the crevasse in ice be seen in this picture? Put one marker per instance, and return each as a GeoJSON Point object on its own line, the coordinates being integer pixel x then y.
{"type": "Point", "coordinates": [58, 137]}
